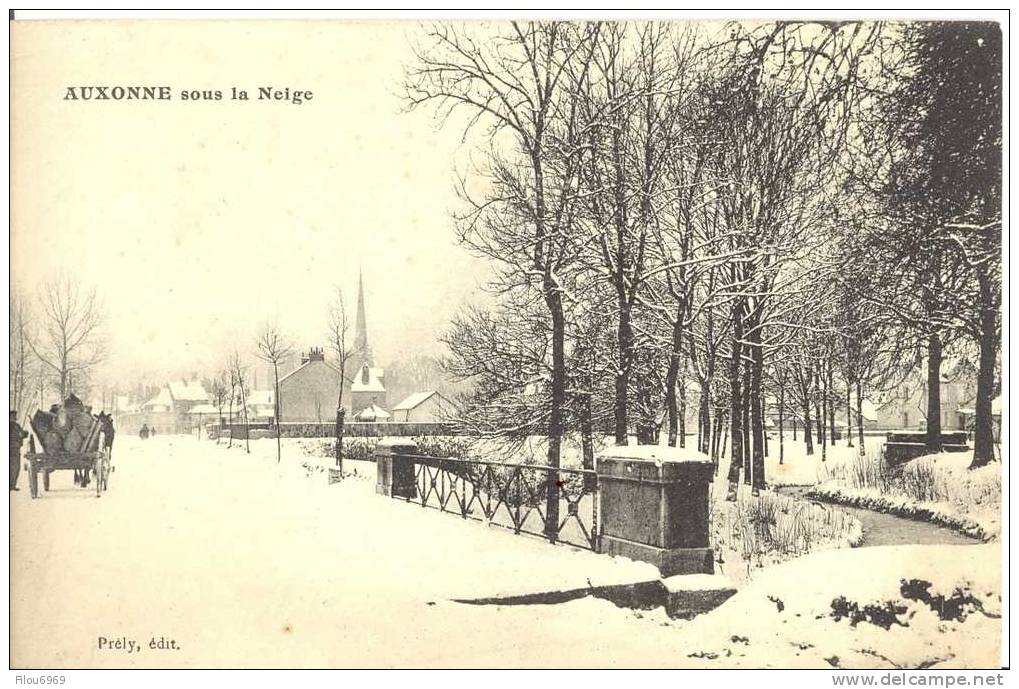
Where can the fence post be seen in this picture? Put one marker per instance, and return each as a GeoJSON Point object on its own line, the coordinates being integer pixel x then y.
{"type": "Point", "coordinates": [395, 476]}
{"type": "Point", "coordinates": [654, 507]}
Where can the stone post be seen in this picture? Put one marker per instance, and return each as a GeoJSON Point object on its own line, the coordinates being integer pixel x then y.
{"type": "Point", "coordinates": [654, 507]}
{"type": "Point", "coordinates": [394, 470]}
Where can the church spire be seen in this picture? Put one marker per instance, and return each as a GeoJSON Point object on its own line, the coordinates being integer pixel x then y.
{"type": "Point", "coordinates": [361, 347]}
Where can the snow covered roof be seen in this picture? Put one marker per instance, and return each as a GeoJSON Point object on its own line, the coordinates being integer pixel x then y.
{"type": "Point", "coordinates": [372, 413]}
{"type": "Point", "coordinates": [259, 397]}
{"type": "Point", "coordinates": [203, 409]}
{"type": "Point", "coordinates": [369, 379]}
{"type": "Point", "coordinates": [415, 400]}
{"type": "Point", "coordinates": [188, 391]}
{"type": "Point", "coordinates": [162, 399]}
{"type": "Point", "coordinates": [309, 363]}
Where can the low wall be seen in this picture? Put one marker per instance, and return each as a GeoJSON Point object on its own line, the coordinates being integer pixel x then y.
{"type": "Point", "coordinates": [296, 429]}
{"type": "Point", "coordinates": [363, 430]}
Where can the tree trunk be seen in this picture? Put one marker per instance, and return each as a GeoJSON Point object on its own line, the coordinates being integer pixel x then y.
{"type": "Point", "coordinates": [933, 438]}
{"type": "Point", "coordinates": [704, 437]}
{"type": "Point", "coordinates": [830, 394]}
{"type": "Point", "coordinates": [822, 419]}
{"type": "Point", "coordinates": [276, 381]}
{"type": "Point", "coordinates": [624, 344]}
{"type": "Point", "coordinates": [781, 425]}
{"type": "Point", "coordinates": [340, 412]}
{"type": "Point", "coordinates": [818, 403]}
{"type": "Point", "coordinates": [555, 420]}
{"type": "Point", "coordinates": [745, 408]}
{"type": "Point", "coordinates": [859, 413]}
{"type": "Point", "coordinates": [849, 413]}
{"type": "Point", "coordinates": [682, 411]}
{"type": "Point", "coordinates": [587, 441]}
{"type": "Point", "coordinates": [983, 422]}
{"type": "Point", "coordinates": [671, 378]}
{"type": "Point", "coordinates": [735, 408]}
{"type": "Point", "coordinates": [757, 406]}
{"type": "Point", "coordinates": [807, 430]}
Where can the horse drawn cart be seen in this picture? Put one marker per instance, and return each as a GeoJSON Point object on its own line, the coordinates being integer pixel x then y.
{"type": "Point", "coordinates": [72, 439]}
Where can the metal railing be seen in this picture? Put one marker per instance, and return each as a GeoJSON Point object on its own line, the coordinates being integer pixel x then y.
{"type": "Point", "coordinates": [558, 504]}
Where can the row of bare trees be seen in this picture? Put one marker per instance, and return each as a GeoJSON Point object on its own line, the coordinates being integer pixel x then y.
{"type": "Point", "coordinates": [678, 208]}
{"type": "Point", "coordinates": [230, 387]}
{"type": "Point", "coordinates": [56, 343]}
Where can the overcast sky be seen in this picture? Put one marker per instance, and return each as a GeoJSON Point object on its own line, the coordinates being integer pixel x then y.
{"type": "Point", "coordinates": [198, 222]}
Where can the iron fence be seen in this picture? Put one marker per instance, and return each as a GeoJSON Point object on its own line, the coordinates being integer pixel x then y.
{"type": "Point", "coordinates": [559, 504]}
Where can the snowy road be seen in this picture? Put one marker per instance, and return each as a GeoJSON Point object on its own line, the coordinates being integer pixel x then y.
{"type": "Point", "coordinates": [240, 561]}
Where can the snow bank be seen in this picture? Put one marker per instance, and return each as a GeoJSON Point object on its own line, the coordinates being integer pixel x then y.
{"type": "Point", "coordinates": [862, 608]}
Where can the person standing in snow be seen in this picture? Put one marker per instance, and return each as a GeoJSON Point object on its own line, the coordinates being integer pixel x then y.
{"type": "Point", "coordinates": [17, 436]}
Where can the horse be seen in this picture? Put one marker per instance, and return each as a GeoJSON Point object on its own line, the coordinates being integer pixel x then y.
{"type": "Point", "coordinates": [81, 476]}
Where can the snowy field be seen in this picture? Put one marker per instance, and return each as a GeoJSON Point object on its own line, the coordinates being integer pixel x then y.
{"type": "Point", "coordinates": [241, 560]}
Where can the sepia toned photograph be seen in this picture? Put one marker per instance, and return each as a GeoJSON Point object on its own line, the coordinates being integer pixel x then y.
{"type": "Point", "coordinates": [508, 342]}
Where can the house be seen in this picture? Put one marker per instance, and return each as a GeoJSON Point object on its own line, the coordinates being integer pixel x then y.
{"type": "Point", "coordinates": [422, 407]}
{"type": "Point", "coordinates": [187, 394]}
{"type": "Point", "coordinates": [368, 388]}
{"type": "Point", "coordinates": [161, 403]}
{"type": "Point", "coordinates": [261, 405]}
{"type": "Point", "coordinates": [906, 407]}
{"type": "Point", "coordinates": [309, 392]}
{"type": "Point", "coordinates": [169, 410]}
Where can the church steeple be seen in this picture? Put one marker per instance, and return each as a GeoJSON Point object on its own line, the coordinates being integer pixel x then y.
{"type": "Point", "coordinates": [362, 349]}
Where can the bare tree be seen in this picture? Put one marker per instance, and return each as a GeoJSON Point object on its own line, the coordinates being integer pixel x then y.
{"type": "Point", "coordinates": [21, 365]}
{"type": "Point", "coordinates": [512, 83]}
{"type": "Point", "coordinates": [219, 388]}
{"type": "Point", "coordinates": [273, 348]}
{"type": "Point", "coordinates": [68, 341]}
{"type": "Point", "coordinates": [338, 341]}
{"type": "Point", "coordinates": [239, 393]}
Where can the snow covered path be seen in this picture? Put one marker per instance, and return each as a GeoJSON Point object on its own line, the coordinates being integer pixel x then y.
{"type": "Point", "coordinates": [887, 529]}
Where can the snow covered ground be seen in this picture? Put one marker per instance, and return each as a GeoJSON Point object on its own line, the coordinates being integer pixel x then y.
{"type": "Point", "coordinates": [243, 561]}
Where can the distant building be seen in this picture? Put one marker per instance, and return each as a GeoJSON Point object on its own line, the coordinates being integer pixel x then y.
{"type": "Point", "coordinates": [422, 407]}
{"type": "Point", "coordinates": [261, 406]}
{"type": "Point", "coordinates": [309, 392]}
{"type": "Point", "coordinates": [368, 389]}
{"type": "Point", "coordinates": [368, 386]}
{"type": "Point", "coordinates": [906, 407]}
{"type": "Point", "coordinates": [169, 410]}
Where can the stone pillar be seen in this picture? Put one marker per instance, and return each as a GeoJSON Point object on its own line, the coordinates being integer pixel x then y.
{"type": "Point", "coordinates": [654, 507]}
{"type": "Point", "coordinates": [394, 471]}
